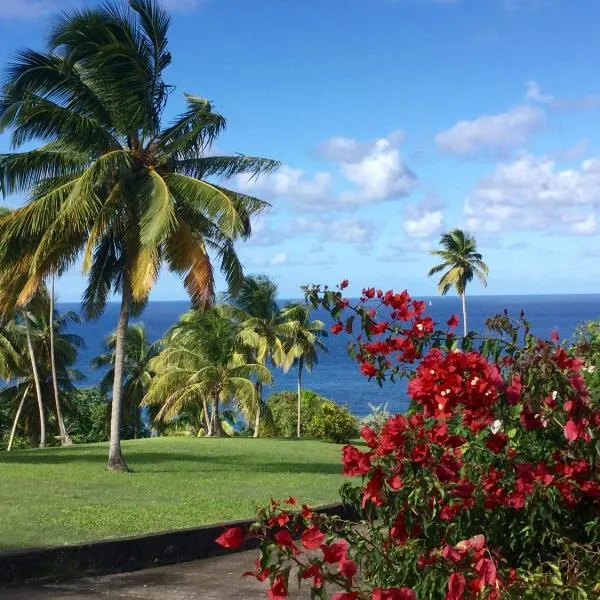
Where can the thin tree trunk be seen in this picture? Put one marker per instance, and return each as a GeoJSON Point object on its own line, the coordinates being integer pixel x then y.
{"type": "Point", "coordinates": [464, 309]}
{"type": "Point", "coordinates": [116, 462]}
{"type": "Point", "coordinates": [65, 439]}
{"type": "Point", "coordinates": [259, 390]}
{"type": "Point", "coordinates": [207, 418]}
{"type": "Point", "coordinates": [36, 379]}
{"type": "Point", "coordinates": [218, 430]}
{"type": "Point", "coordinates": [14, 427]}
{"type": "Point", "coordinates": [300, 367]}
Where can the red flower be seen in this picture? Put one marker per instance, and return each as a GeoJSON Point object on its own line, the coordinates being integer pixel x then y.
{"type": "Point", "coordinates": [284, 538]}
{"type": "Point", "coordinates": [395, 483]}
{"type": "Point", "coordinates": [231, 538]}
{"type": "Point", "coordinates": [278, 589]}
{"type": "Point", "coordinates": [497, 442]}
{"type": "Point", "coordinates": [369, 436]}
{"type": "Point", "coordinates": [571, 430]}
{"type": "Point", "coordinates": [347, 568]}
{"type": "Point", "coordinates": [260, 574]}
{"type": "Point", "coordinates": [369, 293]}
{"type": "Point", "coordinates": [306, 512]}
{"type": "Point", "coordinates": [335, 552]}
{"type": "Point", "coordinates": [312, 538]}
{"type": "Point", "coordinates": [344, 284]}
{"type": "Point", "coordinates": [291, 501]}
{"type": "Point", "coordinates": [345, 596]}
{"type": "Point", "coordinates": [368, 369]}
{"type": "Point", "coordinates": [403, 593]}
{"type": "Point", "coordinates": [486, 569]}
{"type": "Point", "coordinates": [456, 587]}
{"type": "Point", "coordinates": [513, 392]}
{"type": "Point", "coordinates": [355, 462]}
{"type": "Point", "coordinates": [554, 336]}
{"type": "Point", "coordinates": [453, 322]}
{"type": "Point", "coordinates": [336, 328]}
{"type": "Point", "coordinates": [314, 571]}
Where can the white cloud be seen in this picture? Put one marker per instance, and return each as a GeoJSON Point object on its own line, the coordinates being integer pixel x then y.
{"type": "Point", "coordinates": [534, 93]}
{"type": "Point", "coordinates": [278, 259]}
{"type": "Point", "coordinates": [373, 170]}
{"type": "Point", "coordinates": [492, 133]}
{"type": "Point", "coordinates": [351, 231]}
{"type": "Point", "coordinates": [532, 193]}
{"type": "Point", "coordinates": [424, 226]}
{"type": "Point", "coordinates": [586, 226]}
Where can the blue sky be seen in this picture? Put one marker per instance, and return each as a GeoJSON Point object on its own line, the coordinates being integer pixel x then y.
{"type": "Point", "coordinates": [394, 120]}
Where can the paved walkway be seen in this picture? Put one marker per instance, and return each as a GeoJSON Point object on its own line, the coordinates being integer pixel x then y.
{"type": "Point", "coordinates": [216, 578]}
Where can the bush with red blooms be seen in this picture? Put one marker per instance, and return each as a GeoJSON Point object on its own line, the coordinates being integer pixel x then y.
{"type": "Point", "coordinates": [489, 486]}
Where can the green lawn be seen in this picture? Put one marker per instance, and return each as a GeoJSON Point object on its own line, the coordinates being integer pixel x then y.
{"type": "Point", "coordinates": [64, 495]}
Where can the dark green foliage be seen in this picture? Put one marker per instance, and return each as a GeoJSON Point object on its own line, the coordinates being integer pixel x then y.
{"type": "Point", "coordinates": [333, 422]}
{"type": "Point", "coordinates": [283, 407]}
{"type": "Point", "coordinates": [86, 415]}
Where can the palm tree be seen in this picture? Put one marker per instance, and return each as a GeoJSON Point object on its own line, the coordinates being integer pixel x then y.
{"type": "Point", "coordinates": [201, 365]}
{"type": "Point", "coordinates": [65, 438]}
{"type": "Point", "coordinates": [262, 331]}
{"type": "Point", "coordinates": [304, 345]}
{"type": "Point", "coordinates": [110, 179]}
{"type": "Point", "coordinates": [34, 379]}
{"type": "Point", "coordinates": [137, 375]}
{"type": "Point", "coordinates": [461, 262]}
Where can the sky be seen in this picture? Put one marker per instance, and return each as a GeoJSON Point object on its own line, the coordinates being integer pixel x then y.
{"type": "Point", "coordinates": [394, 121]}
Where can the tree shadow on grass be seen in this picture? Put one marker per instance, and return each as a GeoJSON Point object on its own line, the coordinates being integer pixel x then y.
{"type": "Point", "coordinates": [171, 462]}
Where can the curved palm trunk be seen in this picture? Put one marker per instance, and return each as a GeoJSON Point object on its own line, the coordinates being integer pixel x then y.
{"type": "Point", "coordinates": [259, 393]}
{"type": "Point", "coordinates": [116, 462]}
{"type": "Point", "coordinates": [38, 387]}
{"type": "Point", "coordinates": [300, 366]}
{"type": "Point", "coordinates": [14, 427]}
{"type": "Point", "coordinates": [65, 439]}
{"type": "Point", "coordinates": [464, 310]}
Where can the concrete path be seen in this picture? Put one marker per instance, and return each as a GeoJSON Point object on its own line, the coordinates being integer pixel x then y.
{"type": "Point", "coordinates": [216, 578]}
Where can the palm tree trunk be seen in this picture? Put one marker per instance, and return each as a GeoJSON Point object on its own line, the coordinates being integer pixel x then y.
{"type": "Point", "coordinates": [218, 430]}
{"type": "Point", "coordinates": [65, 439]}
{"type": "Point", "coordinates": [36, 379]}
{"type": "Point", "coordinates": [14, 427]}
{"type": "Point", "coordinates": [259, 390]}
{"type": "Point", "coordinates": [464, 310]}
{"type": "Point", "coordinates": [300, 366]}
{"type": "Point", "coordinates": [207, 418]}
{"type": "Point", "coordinates": [116, 462]}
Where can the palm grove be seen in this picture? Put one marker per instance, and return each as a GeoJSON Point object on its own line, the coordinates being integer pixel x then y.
{"type": "Point", "coordinates": [113, 185]}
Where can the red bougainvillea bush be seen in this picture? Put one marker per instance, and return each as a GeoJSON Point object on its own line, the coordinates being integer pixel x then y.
{"type": "Point", "coordinates": [488, 487]}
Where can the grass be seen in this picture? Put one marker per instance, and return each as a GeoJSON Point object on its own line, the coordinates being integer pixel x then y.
{"type": "Point", "coordinates": [64, 495]}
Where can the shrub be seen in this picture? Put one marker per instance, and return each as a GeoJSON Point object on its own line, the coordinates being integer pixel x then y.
{"type": "Point", "coordinates": [332, 422]}
{"type": "Point", "coordinates": [283, 406]}
{"type": "Point", "coordinates": [86, 415]}
{"type": "Point", "coordinates": [488, 488]}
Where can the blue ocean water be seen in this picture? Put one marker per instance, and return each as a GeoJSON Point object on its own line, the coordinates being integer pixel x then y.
{"type": "Point", "coordinates": [336, 376]}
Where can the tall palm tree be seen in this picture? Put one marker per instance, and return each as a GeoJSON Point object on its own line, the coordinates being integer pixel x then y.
{"type": "Point", "coordinates": [304, 345]}
{"type": "Point", "coordinates": [201, 364]}
{"type": "Point", "coordinates": [262, 331]}
{"type": "Point", "coordinates": [461, 262]}
{"type": "Point", "coordinates": [137, 375]}
{"type": "Point", "coordinates": [110, 179]}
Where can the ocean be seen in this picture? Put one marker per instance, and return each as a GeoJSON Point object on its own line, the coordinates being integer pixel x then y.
{"type": "Point", "coordinates": [336, 376]}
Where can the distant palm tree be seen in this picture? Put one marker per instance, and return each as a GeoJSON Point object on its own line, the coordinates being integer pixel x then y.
{"type": "Point", "coordinates": [34, 379]}
{"type": "Point", "coordinates": [305, 344]}
{"type": "Point", "coordinates": [137, 374]}
{"type": "Point", "coordinates": [262, 330]}
{"type": "Point", "coordinates": [201, 364]}
{"type": "Point", "coordinates": [111, 180]}
{"type": "Point", "coordinates": [461, 262]}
